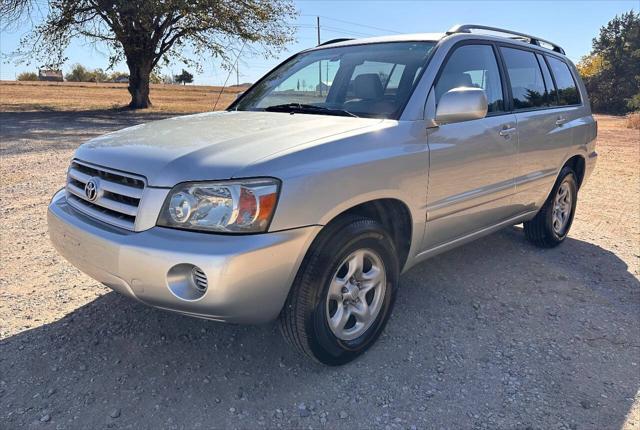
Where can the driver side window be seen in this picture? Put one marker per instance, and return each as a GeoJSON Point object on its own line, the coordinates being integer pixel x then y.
{"type": "Point", "coordinates": [473, 66]}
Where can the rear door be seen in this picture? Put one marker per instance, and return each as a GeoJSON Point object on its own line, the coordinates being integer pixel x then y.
{"type": "Point", "coordinates": [544, 133]}
{"type": "Point", "coordinates": [473, 163]}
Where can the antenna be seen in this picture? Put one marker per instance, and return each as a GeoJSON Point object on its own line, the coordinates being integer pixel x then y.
{"type": "Point", "coordinates": [235, 65]}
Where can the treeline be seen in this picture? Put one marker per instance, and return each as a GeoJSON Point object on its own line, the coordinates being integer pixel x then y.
{"type": "Point", "coordinates": [611, 72]}
{"type": "Point", "coordinates": [80, 73]}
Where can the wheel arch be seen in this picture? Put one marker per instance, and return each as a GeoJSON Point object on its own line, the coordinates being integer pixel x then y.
{"type": "Point", "coordinates": [578, 164]}
{"type": "Point", "coordinates": [394, 215]}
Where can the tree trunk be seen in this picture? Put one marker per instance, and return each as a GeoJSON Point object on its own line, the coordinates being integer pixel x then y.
{"type": "Point", "coordinates": [139, 71]}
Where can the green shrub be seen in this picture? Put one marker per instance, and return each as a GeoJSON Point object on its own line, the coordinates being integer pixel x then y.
{"type": "Point", "coordinates": [28, 76]}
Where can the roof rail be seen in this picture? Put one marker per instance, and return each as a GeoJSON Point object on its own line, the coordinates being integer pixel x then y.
{"type": "Point", "coordinates": [340, 39]}
{"type": "Point", "coordinates": [466, 28]}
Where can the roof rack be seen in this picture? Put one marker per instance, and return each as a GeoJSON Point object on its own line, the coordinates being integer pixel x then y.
{"type": "Point", "coordinates": [340, 39]}
{"type": "Point", "coordinates": [466, 28]}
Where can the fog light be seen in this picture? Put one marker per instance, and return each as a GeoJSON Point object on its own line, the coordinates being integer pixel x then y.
{"type": "Point", "coordinates": [187, 282]}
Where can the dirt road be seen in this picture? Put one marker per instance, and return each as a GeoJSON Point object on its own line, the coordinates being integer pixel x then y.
{"type": "Point", "coordinates": [496, 334]}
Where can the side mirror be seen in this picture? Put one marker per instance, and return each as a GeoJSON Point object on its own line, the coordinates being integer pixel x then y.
{"type": "Point", "coordinates": [461, 104]}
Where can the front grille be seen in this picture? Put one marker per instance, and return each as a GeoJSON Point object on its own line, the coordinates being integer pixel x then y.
{"type": "Point", "coordinates": [117, 195]}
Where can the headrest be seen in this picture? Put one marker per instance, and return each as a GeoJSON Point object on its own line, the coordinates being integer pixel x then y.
{"type": "Point", "coordinates": [449, 81]}
{"type": "Point", "coordinates": [367, 86]}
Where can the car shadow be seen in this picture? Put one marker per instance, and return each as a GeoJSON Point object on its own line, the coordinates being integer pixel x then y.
{"type": "Point", "coordinates": [494, 334]}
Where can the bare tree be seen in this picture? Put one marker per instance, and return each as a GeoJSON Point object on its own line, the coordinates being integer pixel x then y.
{"type": "Point", "coordinates": [144, 33]}
{"type": "Point", "coordinates": [13, 12]}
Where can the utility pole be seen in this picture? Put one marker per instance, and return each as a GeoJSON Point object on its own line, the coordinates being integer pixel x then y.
{"type": "Point", "coordinates": [319, 62]}
{"type": "Point", "coordinates": [238, 74]}
{"type": "Point", "coordinates": [326, 75]}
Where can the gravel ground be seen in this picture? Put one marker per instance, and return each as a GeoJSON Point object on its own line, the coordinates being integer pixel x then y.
{"type": "Point", "coordinates": [495, 334]}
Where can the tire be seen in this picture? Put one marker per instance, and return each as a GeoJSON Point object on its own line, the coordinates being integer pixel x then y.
{"type": "Point", "coordinates": [314, 318]}
{"type": "Point", "coordinates": [546, 230]}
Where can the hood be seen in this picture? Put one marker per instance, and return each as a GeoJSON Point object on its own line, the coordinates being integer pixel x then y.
{"type": "Point", "coordinates": [209, 146]}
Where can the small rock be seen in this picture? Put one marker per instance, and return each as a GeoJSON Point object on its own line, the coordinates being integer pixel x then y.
{"type": "Point", "coordinates": [343, 415]}
{"type": "Point", "coordinates": [45, 418]}
{"type": "Point", "coordinates": [586, 404]}
{"type": "Point", "coordinates": [115, 413]}
{"type": "Point", "coordinates": [303, 411]}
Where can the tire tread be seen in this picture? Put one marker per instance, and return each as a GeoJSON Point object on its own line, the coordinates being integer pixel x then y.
{"type": "Point", "coordinates": [537, 231]}
{"type": "Point", "coordinates": [292, 316]}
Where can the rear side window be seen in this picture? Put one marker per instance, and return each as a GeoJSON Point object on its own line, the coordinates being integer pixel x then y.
{"type": "Point", "coordinates": [527, 84]}
{"type": "Point", "coordinates": [567, 90]}
{"type": "Point", "coordinates": [473, 66]}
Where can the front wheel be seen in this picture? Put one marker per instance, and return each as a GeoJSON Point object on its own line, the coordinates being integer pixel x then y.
{"type": "Point", "coordinates": [551, 225]}
{"type": "Point", "coordinates": [343, 294]}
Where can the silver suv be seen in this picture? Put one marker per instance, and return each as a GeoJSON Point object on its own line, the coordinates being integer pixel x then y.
{"type": "Point", "coordinates": [340, 169]}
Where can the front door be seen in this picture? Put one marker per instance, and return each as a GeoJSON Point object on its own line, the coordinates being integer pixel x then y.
{"type": "Point", "coordinates": [473, 163]}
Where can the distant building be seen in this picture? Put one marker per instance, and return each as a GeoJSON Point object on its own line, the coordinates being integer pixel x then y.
{"type": "Point", "coordinates": [121, 80]}
{"type": "Point", "coordinates": [50, 75]}
{"type": "Point", "coordinates": [322, 87]}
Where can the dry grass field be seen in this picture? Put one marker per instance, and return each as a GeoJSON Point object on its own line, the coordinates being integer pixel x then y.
{"type": "Point", "coordinates": [494, 334]}
{"type": "Point", "coordinates": [76, 96]}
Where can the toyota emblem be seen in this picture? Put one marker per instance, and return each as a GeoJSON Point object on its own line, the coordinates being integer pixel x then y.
{"type": "Point", "coordinates": [91, 189]}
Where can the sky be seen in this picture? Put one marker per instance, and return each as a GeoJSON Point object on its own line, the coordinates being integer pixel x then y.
{"type": "Point", "coordinates": [571, 24]}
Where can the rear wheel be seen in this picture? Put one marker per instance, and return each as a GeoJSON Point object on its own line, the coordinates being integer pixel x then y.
{"type": "Point", "coordinates": [344, 291]}
{"type": "Point", "coordinates": [551, 225]}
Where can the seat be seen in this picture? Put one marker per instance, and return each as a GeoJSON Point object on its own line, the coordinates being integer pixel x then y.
{"type": "Point", "coordinates": [368, 96]}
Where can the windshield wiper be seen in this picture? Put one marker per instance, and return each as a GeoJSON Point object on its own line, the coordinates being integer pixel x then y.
{"type": "Point", "coordinates": [304, 108]}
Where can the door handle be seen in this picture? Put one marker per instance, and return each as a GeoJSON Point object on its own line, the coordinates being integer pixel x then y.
{"type": "Point", "coordinates": [505, 132]}
{"type": "Point", "coordinates": [560, 121]}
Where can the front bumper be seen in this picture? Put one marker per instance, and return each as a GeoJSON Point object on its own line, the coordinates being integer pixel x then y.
{"type": "Point", "coordinates": [249, 276]}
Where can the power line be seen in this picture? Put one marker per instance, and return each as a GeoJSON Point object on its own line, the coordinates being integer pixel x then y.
{"type": "Point", "coordinates": [334, 29]}
{"type": "Point", "coordinates": [330, 29]}
{"type": "Point", "coordinates": [345, 30]}
{"type": "Point", "coordinates": [355, 23]}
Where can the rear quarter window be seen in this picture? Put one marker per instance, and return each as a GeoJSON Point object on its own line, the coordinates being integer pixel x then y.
{"type": "Point", "coordinates": [551, 95]}
{"type": "Point", "coordinates": [567, 90]}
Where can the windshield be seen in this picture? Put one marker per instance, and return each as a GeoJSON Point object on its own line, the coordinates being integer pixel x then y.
{"type": "Point", "coordinates": [369, 80]}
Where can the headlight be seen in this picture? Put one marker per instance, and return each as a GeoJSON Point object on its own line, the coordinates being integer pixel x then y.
{"type": "Point", "coordinates": [244, 206]}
